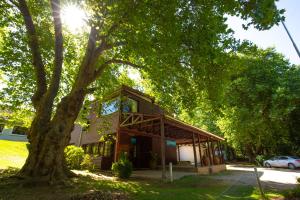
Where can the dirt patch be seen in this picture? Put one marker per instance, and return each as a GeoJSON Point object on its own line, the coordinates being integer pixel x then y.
{"type": "Point", "coordinates": [101, 195]}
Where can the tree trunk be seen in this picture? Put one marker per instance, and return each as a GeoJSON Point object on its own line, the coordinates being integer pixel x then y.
{"type": "Point", "coordinates": [46, 160]}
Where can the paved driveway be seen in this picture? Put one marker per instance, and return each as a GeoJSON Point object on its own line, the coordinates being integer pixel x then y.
{"type": "Point", "coordinates": [274, 178]}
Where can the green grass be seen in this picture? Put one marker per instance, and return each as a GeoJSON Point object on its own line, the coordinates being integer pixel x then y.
{"type": "Point", "coordinates": [191, 188]}
{"type": "Point", "coordinates": [12, 154]}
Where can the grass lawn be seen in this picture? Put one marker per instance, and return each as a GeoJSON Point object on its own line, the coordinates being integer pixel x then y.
{"type": "Point", "coordinates": [190, 187]}
{"type": "Point", "coordinates": [12, 154]}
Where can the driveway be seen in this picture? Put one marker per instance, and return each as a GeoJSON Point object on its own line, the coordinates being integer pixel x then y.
{"type": "Point", "coordinates": [274, 178]}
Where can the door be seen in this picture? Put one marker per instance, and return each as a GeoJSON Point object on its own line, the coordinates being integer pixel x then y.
{"type": "Point", "coordinates": [283, 161]}
{"type": "Point", "coordinates": [140, 151]}
{"type": "Point", "coordinates": [274, 162]}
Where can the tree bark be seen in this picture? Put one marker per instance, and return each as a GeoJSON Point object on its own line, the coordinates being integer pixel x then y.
{"type": "Point", "coordinates": [46, 160]}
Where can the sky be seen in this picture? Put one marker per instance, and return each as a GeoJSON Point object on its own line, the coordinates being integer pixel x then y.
{"type": "Point", "coordinates": [276, 36]}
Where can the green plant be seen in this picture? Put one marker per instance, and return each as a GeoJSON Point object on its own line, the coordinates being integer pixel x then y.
{"type": "Point", "coordinates": [153, 160]}
{"type": "Point", "coordinates": [74, 156]}
{"type": "Point", "coordinates": [87, 163]}
{"type": "Point", "coordinates": [122, 168]}
{"type": "Point", "coordinates": [259, 160]}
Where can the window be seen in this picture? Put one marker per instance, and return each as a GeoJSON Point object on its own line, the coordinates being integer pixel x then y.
{"type": "Point", "coordinates": [1, 127]}
{"type": "Point", "coordinates": [171, 143]}
{"type": "Point", "coordinates": [129, 105]}
{"type": "Point", "coordinates": [20, 130]}
{"type": "Point", "coordinates": [107, 149]}
{"type": "Point", "coordinates": [283, 158]}
{"type": "Point", "coordinates": [110, 106]}
{"type": "Point", "coordinates": [98, 149]}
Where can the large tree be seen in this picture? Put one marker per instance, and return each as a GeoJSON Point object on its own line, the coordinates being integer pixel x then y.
{"type": "Point", "coordinates": [168, 41]}
{"type": "Point", "coordinates": [262, 101]}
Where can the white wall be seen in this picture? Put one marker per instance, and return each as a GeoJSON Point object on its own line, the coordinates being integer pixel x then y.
{"type": "Point", "coordinates": [187, 153]}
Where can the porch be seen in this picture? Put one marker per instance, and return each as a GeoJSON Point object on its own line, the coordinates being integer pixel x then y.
{"type": "Point", "coordinates": [163, 129]}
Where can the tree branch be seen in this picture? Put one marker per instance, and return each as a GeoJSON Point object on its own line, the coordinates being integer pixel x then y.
{"type": "Point", "coordinates": [36, 54]}
{"type": "Point", "coordinates": [58, 57]}
{"type": "Point", "coordinates": [99, 71]}
{"type": "Point", "coordinates": [85, 68]}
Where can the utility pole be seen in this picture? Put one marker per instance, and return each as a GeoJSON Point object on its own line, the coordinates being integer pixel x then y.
{"type": "Point", "coordinates": [295, 46]}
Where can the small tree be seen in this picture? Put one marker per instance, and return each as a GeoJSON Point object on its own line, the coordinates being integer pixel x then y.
{"type": "Point", "coordinates": [87, 163]}
{"type": "Point", "coordinates": [122, 168]}
{"type": "Point", "coordinates": [74, 156]}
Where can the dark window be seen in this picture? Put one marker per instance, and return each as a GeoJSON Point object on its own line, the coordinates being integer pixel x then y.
{"type": "Point", "coordinates": [129, 105]}
{"type": "Point", "coordinates": [107, 149]}
{"type": "Point", "coordinates": [283, 158]}
{"type": "Point", "coordinates": [20, 130]}
{"type": "Point", "coordinates": [84, 147]}
{"type": "Point", "coordinates": [1, 127]}
{"type": "Point", "coordinates": [295, 157]}
{"type": "Point", "coordinates": [110, 106]}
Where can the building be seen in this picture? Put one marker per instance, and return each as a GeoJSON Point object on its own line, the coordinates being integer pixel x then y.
{"type": "Point", "coordinates": [16, 133]}
{"type": "Point", "coordinates": [129, 121]}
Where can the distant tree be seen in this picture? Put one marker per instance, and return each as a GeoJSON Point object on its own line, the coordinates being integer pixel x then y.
{"type": "Point", "coordinates": [167, 41]}
{"type": "Point", "coordinates": [260, 101]}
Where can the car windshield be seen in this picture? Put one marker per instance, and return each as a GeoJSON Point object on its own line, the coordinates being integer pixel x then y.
{"type": "Point", "coordinates": [295, 157]}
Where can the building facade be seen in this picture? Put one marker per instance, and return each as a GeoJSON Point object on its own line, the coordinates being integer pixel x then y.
{"type": "Point", "coordinates": [130, 122]}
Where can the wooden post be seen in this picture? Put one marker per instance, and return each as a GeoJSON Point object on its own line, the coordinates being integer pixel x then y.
{"type": "Point", "coordinates": [208, 150]}
{"type": "Point", "coordinates": [219, 153]}
{"type": "Point", "coordinates": [212, 152]}
{"type": "Point", "coordinates": [162, 147]}
{"type": "Point", "coordinates": [222, 155]}
{"type": "Point", "coordinates": [259, 185]}
{"type": "Point", "coordinates": [194, 149]}
{"type": "Point", "coordinates": [199, 146]}
{"type": "Point", "coordinates": [117, 145]}
{"type": "Point", "coordinates": [178, 152]}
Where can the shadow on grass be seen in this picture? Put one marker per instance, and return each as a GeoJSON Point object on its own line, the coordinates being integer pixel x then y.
{"type": "Point", "coordinates": [189, 187]}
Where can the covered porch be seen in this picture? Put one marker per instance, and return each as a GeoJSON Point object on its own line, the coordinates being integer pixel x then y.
{"type": "Point", "coordinates": [206, 147]}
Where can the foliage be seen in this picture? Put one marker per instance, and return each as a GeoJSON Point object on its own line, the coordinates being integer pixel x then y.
{"type": "Point", "coordinates": [123, 167]}
{"type": "Point", "coordinates": [87, 163]}
{"type": "Point", "coordinates": [181, 46]}
{"type": "Point", "coordinates": [259, 102]}
{"type": "Point", "coordinates": [261, 158]}
{"type": "Point", "coordinates": [154, 38]}
{"type": "Point", "coordinates": [74, 156]}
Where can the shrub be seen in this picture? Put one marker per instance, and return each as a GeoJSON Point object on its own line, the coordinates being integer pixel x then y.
{"type": "Point", "coordinates": [87, 163]}
{"type": "Point", "coordinates": [122, 168]}
{"type": "Point", "coordinates": [74, 156]}
{"type": "Point", "coordinates": [261, 158]}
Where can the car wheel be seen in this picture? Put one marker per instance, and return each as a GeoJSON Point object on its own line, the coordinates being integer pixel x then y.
{"type": "Point", "coordinates": [291, 166]}
{"type": "Point", "coordinates": [268, 165]}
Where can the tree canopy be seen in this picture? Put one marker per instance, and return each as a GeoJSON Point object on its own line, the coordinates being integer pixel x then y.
{"type": "Point", "coordinates": [181, 46]}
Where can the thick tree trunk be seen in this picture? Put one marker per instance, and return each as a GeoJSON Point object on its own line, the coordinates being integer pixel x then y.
{"type": "Point", "coordinates": [46, 161]}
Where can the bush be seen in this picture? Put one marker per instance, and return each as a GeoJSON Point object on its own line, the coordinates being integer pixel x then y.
{"type": "Point", "coordinates": [87, 163]}
{"type": "Point", "coordinates": [122, 168]}
{"type": "Point", "coordinates": [261, 158]}
{"type": "Point", "coordinates": [74, 156]}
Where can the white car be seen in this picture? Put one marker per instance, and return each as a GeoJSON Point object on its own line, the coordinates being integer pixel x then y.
{"type": "Point", "coordinates": [291, 162]}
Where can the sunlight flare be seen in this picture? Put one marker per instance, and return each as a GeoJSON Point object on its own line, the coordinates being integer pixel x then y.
{"type": "Point", "coordinates": [74, 18]}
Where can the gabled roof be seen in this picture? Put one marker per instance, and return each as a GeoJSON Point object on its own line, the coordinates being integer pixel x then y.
{"type": "Point", "coordinates": [135, 92]}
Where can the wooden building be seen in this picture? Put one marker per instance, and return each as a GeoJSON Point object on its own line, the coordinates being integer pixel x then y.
{"type": "Point", "coordinates": [129, 121]}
